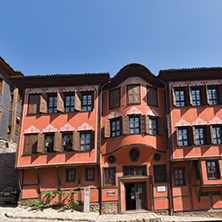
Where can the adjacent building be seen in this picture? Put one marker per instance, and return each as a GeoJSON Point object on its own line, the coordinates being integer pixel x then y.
{"type": "Point", "coordinates": [139, 141]}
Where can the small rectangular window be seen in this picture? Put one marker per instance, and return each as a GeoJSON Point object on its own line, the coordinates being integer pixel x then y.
{"type": "Point", "coordinates": [134, 124]}
{"type": "Point", "coordinates": [152, 98]}
{"type": "Point", "coordinates": [152, 126]}
{"type": "Point", "coordinates": [179, 176]}
{"type": "Point", "coordinates": [196, 97]}
{"type": "Point", "coordinates": [134, 171]}
{"type": "Point", "coordinates": [133, 94]}
{"type": "Point", "coordinates": [213, 170]}
{"type": "Point", "coordinates": [69, 102]}
{"type": "Point", "coordinates": [85, 141]}
{"type": "Point", "coordinates": [114, 98]}
{"type": "Point", "coordinates": [52, 103]}
{"type": "Point", "coordinates": [87, 101]}
{"type": "Point", "coordinates": [200, 135]}
{"type": "Point", "coordinates": [182, 137]}
{"type": "Point", "coordinates": [67, 139]}
{"type": "Point", "coordinates": [90, 174]}
{"type": "Point", "coordinates": [49, 143]}
{"type": "Point", "coordinates": [109, 176]}
{"type": "Point", "coordinates": [160, 173]}
{"type": "Point", "coordinates": [213, 96]}
{"type": "Point", "coordinates": [180, 98]}
{"type": "Point", "coordinates": [216, 133]}
{"type": "Point", "coordinates": [115, 125]}
{"type": "Point", "coordinates": [70, 175]}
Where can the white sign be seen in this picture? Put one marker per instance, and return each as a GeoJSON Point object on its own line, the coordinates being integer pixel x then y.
{"type": "Point", "coordinates": [86, 199]}
{"type": "Point", "coordinates": [161, 189]}
{"type": "Point", "coordinates": [111, 193]}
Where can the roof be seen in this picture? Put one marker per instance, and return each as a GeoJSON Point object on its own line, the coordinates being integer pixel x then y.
{"type": "Point", "coordinates": [134, 70]}
{"type": "Point", "coordinates": [186, 74]}
{"type": "Point", "coordinates": [8, 70]}
{"type": "Point", "coordinates": [38, 81]}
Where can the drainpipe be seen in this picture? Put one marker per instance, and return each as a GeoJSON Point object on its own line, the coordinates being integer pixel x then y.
{"type": "Point", "coordinates": [169, 139]}
{"type": "Point", "coordinates": [100, 142]}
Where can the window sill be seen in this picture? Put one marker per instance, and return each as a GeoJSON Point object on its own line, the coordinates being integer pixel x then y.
{"type": "Point", "coordinates": [35, 114]}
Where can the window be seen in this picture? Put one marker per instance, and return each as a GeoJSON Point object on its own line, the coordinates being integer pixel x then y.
{"type": "Point", "coordinates": [134, 124]}
{"type": "Point", "coordinates": [199, 136]}
{"type": "Point", "coordinates": [90, 174]}
{"type": "Point", "coordinates": [152, 126]}
{"type": "Point", "coordinates": [196, 97]}
{"type": "Point", "coordinates": [115, 125]}
{"type": "Point", "coordinates": [152, 98]}
{"type": "Point", "coordinates": [216, 134]}
{"type": "Point", "coordinates": [85, 141]}
{"type": "Point", "coordinates": [87, 101]}
{"type": "Point", "coordinates": [160, 174]}
{"type": "Point", "coordinates": [133, 94]}
{"type": "Point", "coordinates": [182, 137]}
{"type": "Point", "coordinates": [179, 176]}
{"type": "Point", "coordinates": [180, 98]}
{"type": "Point", "coordinates": [109, 176]}
{"type": "Point", "coordinates": [212, 94]}
{"type": "Point", "coordinates": [30, 143]}
{"type": "Point", "coordinates": [114, 98]}
{"type": "Point", "coordinates": [70, 103]}
{"type": "Point", "coordinates": [49, 143]}
{"type": "Point", "coordinates": [213, 171]}
{"type": "Point", "coordinates": [134, 170]}
{"type": "Point", "coordinates": [52, 105]}
{"type": "Point", "coordinates": [67, 142]}
{"type": "Point", "coordinates": [70, 175]}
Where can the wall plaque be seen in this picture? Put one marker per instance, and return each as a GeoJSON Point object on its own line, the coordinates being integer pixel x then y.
{"type": "Point", "coordinates": [110, 193]}
{"type": "Point", "coordinates": [161, 189]}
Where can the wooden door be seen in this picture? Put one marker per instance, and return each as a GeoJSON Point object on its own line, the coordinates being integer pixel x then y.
{"type": "Point", "coordinates": [140, 192]}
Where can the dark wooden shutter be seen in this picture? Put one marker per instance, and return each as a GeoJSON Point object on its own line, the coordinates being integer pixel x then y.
{"type": "Point", "coordinates": [136, 93]}
{"type": "Point", "coordinates": [33, 107]}
{"type": "Point", "coordinates": [144, 124]}
{"type": "Point", "coordinates": [190, 136]}
{"type": "Point", "coordinates": [43, 108]}
{"type": "Point", "coordinates": [130, 98]}
{"type": "Point", "coordinates": [160, 126]}
{"type": "Point", "coordinates": [76, 141]}
{"type": "Point", "coordinates": [220, 94]}
{"type": "Point", "coordinates": [208, 134]}
{"type": "Point", "coordinates": [211, 134]}
{"type": "Point", "coordinates": [78, 104]}
{"type": "Point", "coordinates": [34, 141]}
{"type": "Point", "coordinates": [133, 94]}
{"type": "Point", "coordinates": [107, 129]}
{"type": "Point", "coordinates": [207, 95]}
{"type": "Point", "coordinates": [60, 101]}
{"type": "Point", "coordinates": [203, 95]}
{"type": "Point", "coordinates": [41, 143]}
{"type": "Point", "coordinates": [190, 96]}
{"type": "Point", "coordinates": [92, 139]}
{"type": "Point", "coordinates": [186, 95]}
{"type": "Point", "coordinates": [177, 136]}
{"type": "Point", "coordinates": [194, 135]}
{"type": "Point", "coordinates": [58, 142]}
{"type": "Point", "coordinates": [27, 145]}
{"type": "Point", "coordinates": [174, 97]}
{"type": "Point", "coordinates": [152, 96]}
{"type": "Point", "coordinates": [114, 98]}
{"type": "Point", "coordinates": [125, 125]}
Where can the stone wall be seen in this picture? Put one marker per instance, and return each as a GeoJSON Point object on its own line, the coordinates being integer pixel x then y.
{"type": "Point", "coordinates": [110, 207]}
{"type": "Point", "coordinates": [7, 163]}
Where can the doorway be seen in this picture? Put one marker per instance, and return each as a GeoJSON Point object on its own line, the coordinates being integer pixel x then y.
{"type": "Point", "coordinates": [135, 196]}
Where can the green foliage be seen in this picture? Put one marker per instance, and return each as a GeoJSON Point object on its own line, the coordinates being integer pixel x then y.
{"type": "Point", "coordinates": [50, 195]}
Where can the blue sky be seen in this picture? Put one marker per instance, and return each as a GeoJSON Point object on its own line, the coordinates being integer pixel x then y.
{"type": "Point", "coordinates": [87, 36]}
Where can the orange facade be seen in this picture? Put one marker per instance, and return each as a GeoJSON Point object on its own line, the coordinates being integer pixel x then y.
{"type": "Point", "coordinates": [137, 140]}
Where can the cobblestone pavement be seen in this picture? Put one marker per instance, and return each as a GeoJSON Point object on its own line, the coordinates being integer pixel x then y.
{"type": "Point", "coordinates": [20, 214]}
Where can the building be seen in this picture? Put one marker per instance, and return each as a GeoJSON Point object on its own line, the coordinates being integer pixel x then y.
{"type": "Point", "coordinates": [10, 110]}
{"type": "Point", "coordinates": [137, 140]}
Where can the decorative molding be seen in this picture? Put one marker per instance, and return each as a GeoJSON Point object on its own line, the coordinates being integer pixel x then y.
{"type": "Point", "coordinates": [62, 89]}
{"type": "Point", "coordinates": [216, 120]}
{"type": "Point", "coordinates": [67, 127]}
{"type": "Point", "coordinates": [49, 128]}
{"type": "Point", "coordinates": [32, 129]}
{"type": "Point", "coordinates": [133, 80]}
{"type": "Point", "coordinates": [196, 83]}
{"type": "Point", "coordinates": [213, 82]}
{"type": "Point", "coordinates": [152, 112]}
{"type": "Point", "coordinates": [199, 121]}
{"type": "Point", "coordinates": [178, 84]}
{"type": "Point", "coordinates": [114, 114]}
{"type": "Point", "coordinates": [134, 110]}
{"type": "Point", "coordinates": [182, 122]}
{"type": "Point", "coordinates": [85, 126]}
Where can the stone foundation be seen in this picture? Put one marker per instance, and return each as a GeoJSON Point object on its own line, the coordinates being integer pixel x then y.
{"type": "Point", "coordinates": [7, 163]}
{"type": "Point", "coordinates": [110, 207]}
{"type": "Point", "coordinates": [94, 207]}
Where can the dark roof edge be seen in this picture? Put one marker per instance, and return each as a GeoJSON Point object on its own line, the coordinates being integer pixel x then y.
{"type": "Point", "coordinates": [134, 70]}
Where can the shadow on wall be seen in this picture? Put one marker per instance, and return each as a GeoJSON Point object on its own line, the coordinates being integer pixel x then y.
{"type": "Point", "coordinates": [7, 170]}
